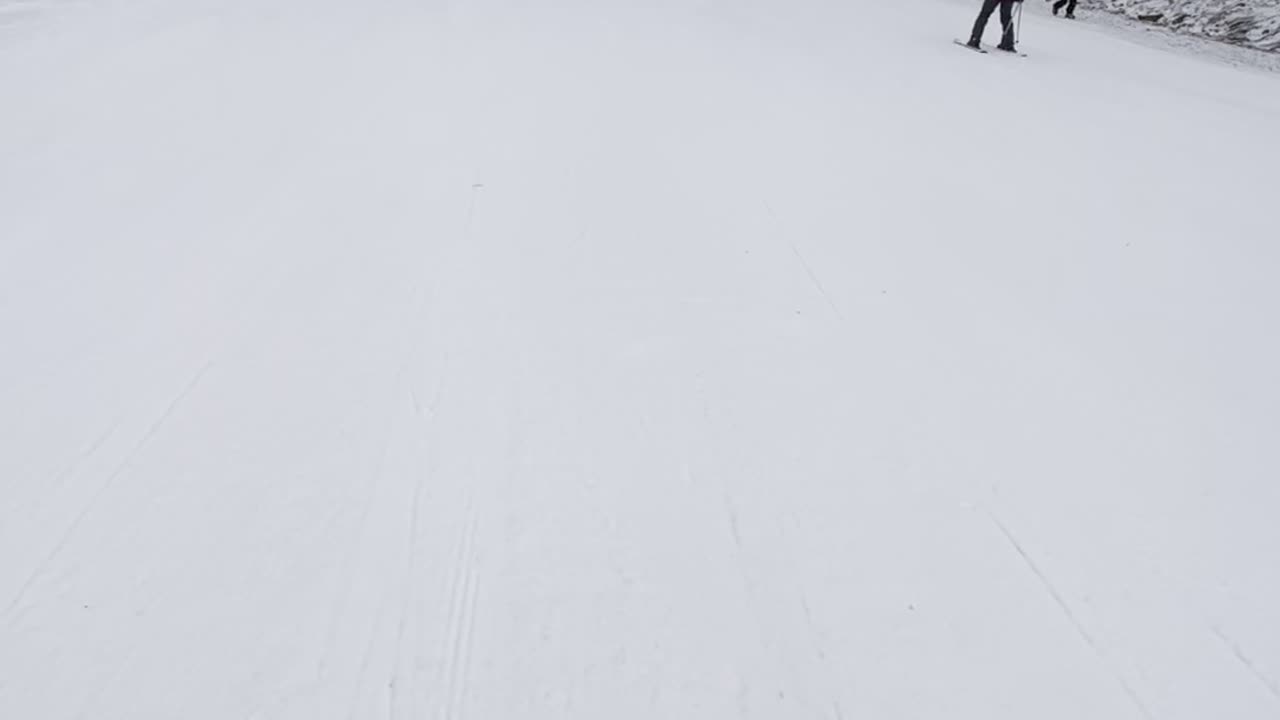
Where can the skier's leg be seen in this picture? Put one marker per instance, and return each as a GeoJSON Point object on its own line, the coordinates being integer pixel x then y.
{"type": "Point", "coordinates": [988, 7]}
{"type": "Point", "coordinates": [1058, 6]}
{"type": "Point", "coordinates": [1006, 21]}
{"type": "Point", "coordinates": [1071, 9]}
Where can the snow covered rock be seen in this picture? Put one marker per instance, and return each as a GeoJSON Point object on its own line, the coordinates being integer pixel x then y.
{"type": "Point", "coordinates": [1252, 23]}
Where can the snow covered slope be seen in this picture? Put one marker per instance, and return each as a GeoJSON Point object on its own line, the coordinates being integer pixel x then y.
{"type": "Point", "coordinates": [1253, 23]}
{"type": "Point", "coordinates": [618, 359]}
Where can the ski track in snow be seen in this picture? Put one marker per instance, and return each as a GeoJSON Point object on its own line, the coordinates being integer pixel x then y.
{"type": "Point", "coordinates": [65, 535]}
{"type": "Point", "coordinates": [1069, 614]}
{"type": "Point", "coordinates": [613, 359]}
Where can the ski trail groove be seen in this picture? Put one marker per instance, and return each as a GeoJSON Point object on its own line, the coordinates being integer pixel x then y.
{"type": "Point", "coordinates": [1052, 590]}
{"type": "Point", "coordinates": [460, 627]}
{"type": "Point", "coordinates": [83, 455]}
{"type": "Point", "coordinates": [734, 529]}
{"type": "Point", "coordinates": [366, 657]}
{"type": "Point", "coordinates": [349, 559]}
{"type": "Point", "coordinates": [406, 606]}
{"type": "Point", "coordinates": [70, 531]}
{"type": "Point", "coordinates": [1271, 686]}
{"type": "Point", "coordinates": [1048, 585]}
{"type": "Point", "coordinates": [804, 264]}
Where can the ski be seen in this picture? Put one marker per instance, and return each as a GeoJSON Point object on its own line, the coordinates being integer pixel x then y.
{"type": "Point", "coordinates": [985, 51]}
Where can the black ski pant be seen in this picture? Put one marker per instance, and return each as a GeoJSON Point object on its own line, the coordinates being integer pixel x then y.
{"type": "Point", "coordinates": [1006, 20]}
{"type": "Point", "coordinates": [1071, 6]}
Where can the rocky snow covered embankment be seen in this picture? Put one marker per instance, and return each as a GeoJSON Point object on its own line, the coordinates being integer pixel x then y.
{"type": "Point", "coordinates": [1252, 23]}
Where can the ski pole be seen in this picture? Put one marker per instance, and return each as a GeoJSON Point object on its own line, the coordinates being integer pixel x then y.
{"type": "Point", "coordinates": [1018, 34]}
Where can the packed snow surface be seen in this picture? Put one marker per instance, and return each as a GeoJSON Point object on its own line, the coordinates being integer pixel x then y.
{"type": "Point", "coordinates": [613, 359]}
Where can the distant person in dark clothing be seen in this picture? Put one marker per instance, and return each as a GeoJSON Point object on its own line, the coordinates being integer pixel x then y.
{"type": "Point", "coordinates": [1006, 21]}
{"type": "Point", "coordinates": [1071, 8]}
